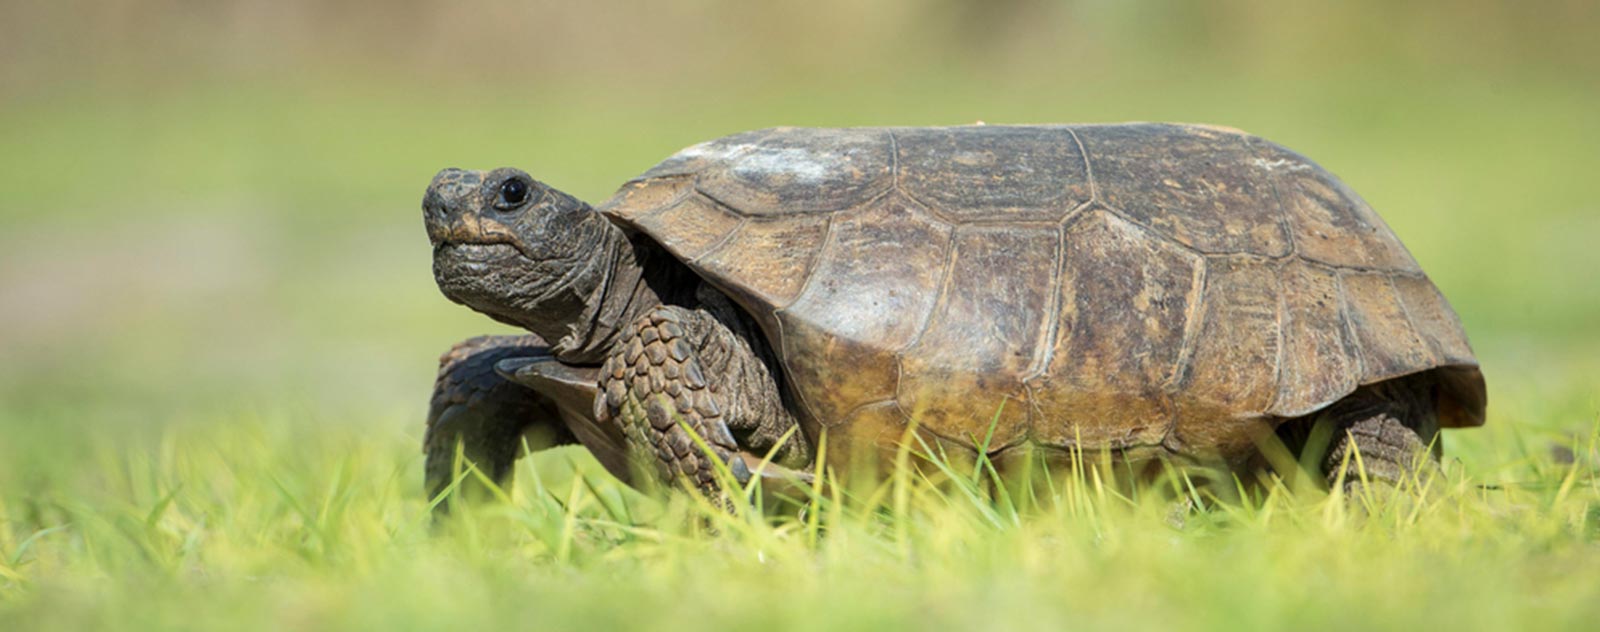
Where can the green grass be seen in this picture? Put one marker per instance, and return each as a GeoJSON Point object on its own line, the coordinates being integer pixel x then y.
{"type": "Point", "coordinates": [273, 522]}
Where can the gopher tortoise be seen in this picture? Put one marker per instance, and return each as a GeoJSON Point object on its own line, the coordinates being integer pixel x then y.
{"type": "Point", "coordinates": [1153, 290]}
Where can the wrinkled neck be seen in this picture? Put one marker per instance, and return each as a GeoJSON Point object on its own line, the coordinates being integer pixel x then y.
{"type": "Point", "coordinates": [622, 280]}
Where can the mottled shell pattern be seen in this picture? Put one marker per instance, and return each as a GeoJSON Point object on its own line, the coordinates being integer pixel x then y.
{"type": "Point", "coordinates": [1102, 286]}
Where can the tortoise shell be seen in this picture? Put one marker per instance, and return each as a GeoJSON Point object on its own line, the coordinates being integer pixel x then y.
{"type": "Point", "coordinates": [1094, 286]}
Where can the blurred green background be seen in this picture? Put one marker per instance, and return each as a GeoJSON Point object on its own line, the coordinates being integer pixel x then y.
{"type": "Point", "coordinates": [211, 208]}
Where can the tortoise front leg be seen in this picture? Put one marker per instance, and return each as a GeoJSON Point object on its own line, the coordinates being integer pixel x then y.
{"type": "Point", "coordinates": [682, 370]}
{"type": "Point", "coordinates": [476, 410]}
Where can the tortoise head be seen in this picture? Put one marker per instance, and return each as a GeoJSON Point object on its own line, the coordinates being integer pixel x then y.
{"type": "Point", "coordinates": [511, 247]}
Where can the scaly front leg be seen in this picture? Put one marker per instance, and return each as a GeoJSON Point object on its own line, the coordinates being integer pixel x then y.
{"type": "Point", "coordinates": [703, 370]}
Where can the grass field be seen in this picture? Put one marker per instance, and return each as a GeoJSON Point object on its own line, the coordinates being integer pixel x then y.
{"type": "Point", "coordinates": [218, 330]}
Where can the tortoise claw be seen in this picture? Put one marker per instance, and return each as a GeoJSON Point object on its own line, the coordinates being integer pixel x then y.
{"type": "Point", "coordinates": [740, 470]}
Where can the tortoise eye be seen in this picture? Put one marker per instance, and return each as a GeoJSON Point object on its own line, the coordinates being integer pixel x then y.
{"type": "Point", "coordinates": [513, 192]}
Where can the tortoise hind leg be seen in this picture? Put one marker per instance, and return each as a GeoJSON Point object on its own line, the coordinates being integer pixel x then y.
{"type": "Point", "coordinates": [1381, 448]}
{"type": "Point", "coordinates": [482, 417]}
{"type": "Point", "coordinates": [1389, 429]}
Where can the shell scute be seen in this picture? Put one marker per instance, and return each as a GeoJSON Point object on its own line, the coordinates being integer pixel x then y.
{"type": "Point", "coordinates": [1230, 378]}
{"type": "Point", "coordinates": [1000, 174]}
{"type": "Point", "coordinates": [779, 172]}
{"type": "Point", "coordinates": [1125, 299]}
{"type": "Point", "coordinates": [967, 369]}
{"type": "Point", "coordinates": [1198, 186]}
{"type": "Point", "coordinates": [874, 286]}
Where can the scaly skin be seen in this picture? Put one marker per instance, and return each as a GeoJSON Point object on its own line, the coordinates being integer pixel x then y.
{"type": "Point", "coordinates": [697, 368]}
{"type": "Point", "coordinates": [1392, 426]}
{"type": "Point", "coordinates": [486, 415]}
{"type": "Point", "coordinates": [1389, 450]}
{"type": "Point", "coordinates": [654, 386]}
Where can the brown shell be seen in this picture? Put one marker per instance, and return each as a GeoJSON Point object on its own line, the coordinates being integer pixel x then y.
{"type": "Point", "coordinates": [1098, 286]}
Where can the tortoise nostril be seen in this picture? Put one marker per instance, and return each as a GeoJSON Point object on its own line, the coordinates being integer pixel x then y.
{"type": "Point", "coordinates": [451, 193]}
{"type": "Point", "coordinates": [433, 204]}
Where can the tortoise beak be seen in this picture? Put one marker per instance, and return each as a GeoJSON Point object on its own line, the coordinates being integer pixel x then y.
{"type": "Point", "coordinates": [469, 229]}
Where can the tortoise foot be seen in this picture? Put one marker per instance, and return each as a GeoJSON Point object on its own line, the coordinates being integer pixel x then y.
{"type": "Point", "coordinates": [1377, 456]}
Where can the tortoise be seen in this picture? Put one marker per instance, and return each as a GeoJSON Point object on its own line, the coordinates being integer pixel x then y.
{"type": "Point", "coordinates": [1155, 290]}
